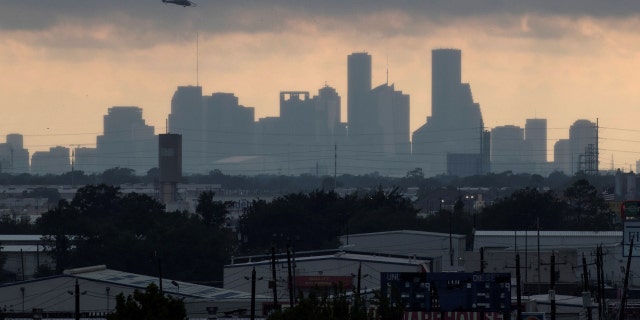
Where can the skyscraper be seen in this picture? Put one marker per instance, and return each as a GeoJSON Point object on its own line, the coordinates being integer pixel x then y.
{"type": "Point", "coordinates": [14, 158]}
{"type": "Point", "coordinates": [327, 115]}
{"type": "Point", "coordinates": [583, 144]}
{"type": "Point", "coordinates": [227, 127]}
{"type": "Point", "coordinates": [391, 109]}
{"type": "Point", "coordinates": [562, 157]}
{"type": "Point", "coordinates": [455, 124]}
{"type": "Point", "coordinates": [54, 161]}
{"type": "Point", "coordinates": [506, 149]}
{"type": "Point", "coordinates": [535, 146]}
{"type": "Point", "coordinates": [127, 141]}
{"type": "Point", "coordinates": [446, 73]}
{"type": "Point", "coordinates": [186, 119]}
{"type": "Point", "coordinates": [358, 87]}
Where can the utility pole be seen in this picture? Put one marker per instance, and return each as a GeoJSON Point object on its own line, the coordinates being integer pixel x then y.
{"type": "Point", "coordinates": [160, 275]}
{"type": "Point", "coordinates": [587, 294]}
{"type": "Point", "coordinates": [77, 296]}
{"type": "Point", "coordinates": [481, 259]}
{"type": "Point", "coordinates": [552, 285]}
{"type": "Point", "coordinates": [22, 263]}
{"type": "Point", "coordinates": [335, 166]}
{"type": "Point", "coordinates": [357, 302]}
{"type": "Point", "coordinates": [450, 241]}
{"type": "Point", "coordinates": [518, 289]}
{"type": "Point", "coordinates": [274, 283]}
{"type": "Point", "coordinates": [625, 288]}
{"type": "Point", "coordinates": [601, 301]}
{"type": "Point", "coordinates": [290, 280]}
{"type": "Point", "coordinates": [253, 294]}
{"type": "Point", "coordinates": [538, 236]}
{"type": "Point", "coordinates": [599, 280]}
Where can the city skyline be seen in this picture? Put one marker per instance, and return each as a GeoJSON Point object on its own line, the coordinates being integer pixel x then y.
{"type": "Point", "coordinates": [64, 67]}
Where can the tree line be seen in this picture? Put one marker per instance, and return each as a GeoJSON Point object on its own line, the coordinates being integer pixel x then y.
{"type": "Point", "coordinates": [133, 232]}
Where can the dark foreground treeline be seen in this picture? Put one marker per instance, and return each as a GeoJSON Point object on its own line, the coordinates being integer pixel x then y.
{"type": "Point", "coordinates": [134, 233]}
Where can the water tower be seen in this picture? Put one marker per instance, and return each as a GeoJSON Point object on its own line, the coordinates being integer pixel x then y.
{"type": "Point", "coordinates": [170, 164]}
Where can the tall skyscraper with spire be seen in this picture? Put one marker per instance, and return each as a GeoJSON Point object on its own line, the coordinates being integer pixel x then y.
{"type": "Point", "coordinates": [455, 125]}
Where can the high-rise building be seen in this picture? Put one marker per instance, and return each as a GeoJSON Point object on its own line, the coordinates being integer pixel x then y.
{"type": "Point", "coordinates": [535, 146]}
{"type": "Point", "coordinates": [327, 115]}
{"type": "Point", "coordinates": [562, 159]}
{"type": "Point", "coordinates": [583, 145]}
{"type": "Point", "coordinates": [186, 119]}
{"type": "Point", "coordinates": [506, 149]}
{"type": "Point", "coordinates": [14, 158]}
{"type": "Point", "coordinates": [455, 124]}
{"type": "Point", "coordinates": [54, 161]}
{"type": "Point", "coordinates": [358, 88]}
{"type": "Point", "coordinates": [127, 141]}
{"type": "Point", "coordinates": [535, 135]}
{"type": "Point", "coordinates": [86, 160]}
{"type": "Point", "coordinates": [227, 127]}
{"type": "Point", "coordinates": [391, 123]}
{"type": "Point", "coordinates": [446, 74]}
{"type": "Point", "coordinates": [485, 152]}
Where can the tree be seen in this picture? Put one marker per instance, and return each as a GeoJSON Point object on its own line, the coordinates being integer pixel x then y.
{"type": "Point", "coordinates": [415, 174]}
{"type": "Point", "coordinates": [213, 213]}
{"type": "Point", "coordinates": [128, 231]}
{"type": "Point", "coordinates": [117, 176]}
{"type": "Point", "coordinates": [149, 305]}
{"type": "Point", "coordinates": [587, 208]}
{"type": "Point", "coordinates": [523, 209]}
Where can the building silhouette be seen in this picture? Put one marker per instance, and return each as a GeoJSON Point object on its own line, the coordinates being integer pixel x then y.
{"type": "Point", "coordinates": [583, 144]}
{"type": "Point", "coordinates": [507, 149]}
{"type": "Point", "coordinates": [358, 87]}
{"type": "Point", "coordinates": [169, 167]}
{"type": "Point", "coordinates": [186, 119]}
{"type": "Point", "coordinates": [455, 124]}
{"type": "Point", "coordinates": [562, 159]}
{"type": "Point", "coordinates": [228, 127]}
{"type": "Point", "coordinates": [54, 161]}
{"type": "Point", "coordinates": [127, 141]}
{"type": "Point", "coordinates": [535, 146]}
{"type": "Point", "coordinates": [304, 137]}
{"type": "Point", "coordinates": [14, 158]}
{"type": "Point", "coordinates": [309, 137]}
{"type": "Point", "coordinates": [86, 160]}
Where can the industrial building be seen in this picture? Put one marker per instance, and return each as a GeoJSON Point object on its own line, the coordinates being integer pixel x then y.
{"type": "Point", "coordinates": [447, 251]}
{"type": "Point", "coordinates": [305, 271]}
{"type": "Point", "coordinates": [98, 287]}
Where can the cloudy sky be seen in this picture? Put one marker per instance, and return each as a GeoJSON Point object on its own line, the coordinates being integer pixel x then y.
{"type": "Point", "coordinates": [63, 63]}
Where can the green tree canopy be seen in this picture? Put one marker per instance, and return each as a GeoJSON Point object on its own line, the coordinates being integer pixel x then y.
{"type": "Point", "coordinates": [213, 213]}
{"type": "Point", "coordinates": [315, 220]}
{"type": "Point", "coordinates": [148, 305]}
{"type": "Point", "coordinates": [132, 232]}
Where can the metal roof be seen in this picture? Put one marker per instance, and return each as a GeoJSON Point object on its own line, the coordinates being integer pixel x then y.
{"type": "Point", "coordinates": [532, 233]}
{"type": "Point", "coordinates": [177, 288]}
{"type": "Point", "coordinates": [20, 237]}
{"type": "Point", "coordinates": [406, 232]}
{"type": "Point", "coordinates": [332, 255]}
{"type": "Point", "coordinates": [546, 240]}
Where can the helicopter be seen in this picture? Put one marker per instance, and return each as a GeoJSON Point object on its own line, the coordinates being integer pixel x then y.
{"type": "Point", "coordinates": [184, 3]}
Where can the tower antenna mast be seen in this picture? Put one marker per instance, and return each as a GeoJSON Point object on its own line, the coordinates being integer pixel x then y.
{"type": "Point", "coordinates": [197, 59]}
